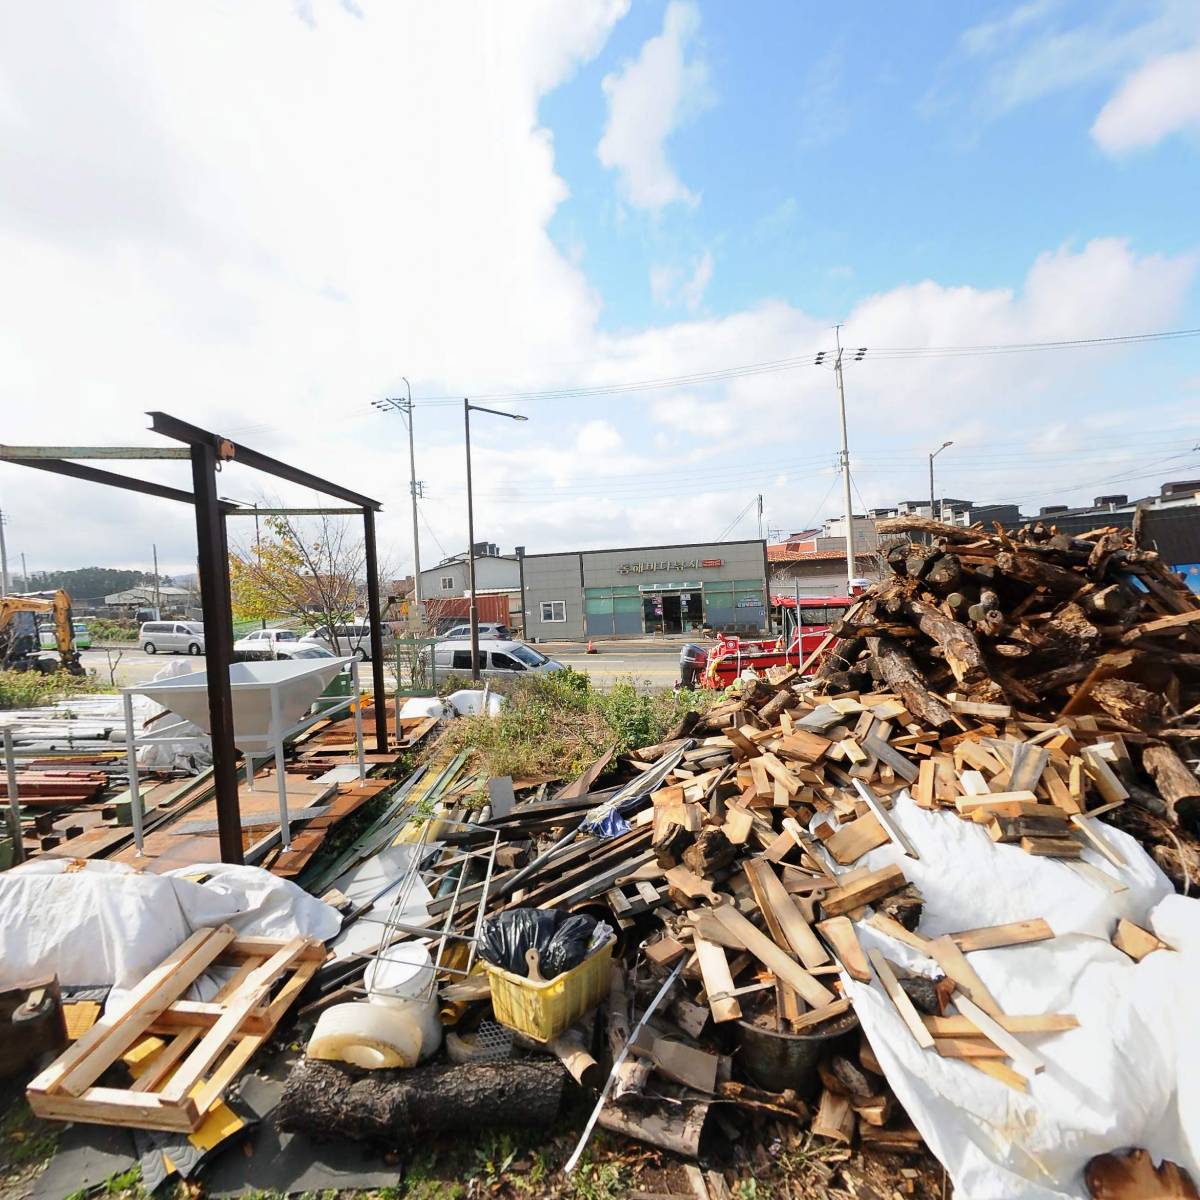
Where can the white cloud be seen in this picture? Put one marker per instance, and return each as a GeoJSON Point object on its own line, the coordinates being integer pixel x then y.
{"type": "Point", "coordinates": [670, 287]}
{"type": "Point", "coordinates": [647, 100]}
{"type": "Point", "coordinates": [598, 438]}
{"type": "Point", "coordinates": [1159, 99]}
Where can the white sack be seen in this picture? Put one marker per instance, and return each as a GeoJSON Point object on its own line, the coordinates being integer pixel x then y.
{"type": "Point", "coordinates": [109, 924]}
{"type": "Point", "coordinates": [1125, 1077]}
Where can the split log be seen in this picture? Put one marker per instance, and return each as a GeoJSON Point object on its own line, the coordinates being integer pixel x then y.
{"type": "Point", "coordinates": [711, 851]}
{"type": "Point", "coordinates": [1176, 783]}
{"type": "Point", "coordinates": [1026, 569]}
{"type": "Point", "coordinates": [674, 1127]}
{"type": "Point", "coordinates": [1128, 702]}
{"type": "Point", "coordinates": [944, 574]}
{"type": "Point", "coordinates": [633, 1073]}
{"type": "Point", "coordinates": [903, 677]}
{"type": "Point", "coordinates": [782, 699]}
{"type": "Point", "coordinates": [962, 653]}
{"type": "Point", "coordinates": [327, 1099]}
{"type": "Point", "coordinates": [914, 524]}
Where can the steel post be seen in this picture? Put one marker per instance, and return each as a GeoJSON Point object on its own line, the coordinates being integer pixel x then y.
{"type": "Point", "coordinates": [375, 621]}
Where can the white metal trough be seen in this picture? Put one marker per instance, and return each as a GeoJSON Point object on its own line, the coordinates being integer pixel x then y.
{"type": "Point", "coordinates": [269, 699]}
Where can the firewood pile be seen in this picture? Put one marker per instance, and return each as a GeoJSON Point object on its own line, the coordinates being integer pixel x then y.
{"type": "Point", "coordinates": [1041, 686]}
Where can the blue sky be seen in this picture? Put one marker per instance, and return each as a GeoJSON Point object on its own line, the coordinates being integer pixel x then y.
{"type": "Point", "coordinates": [264, 217]}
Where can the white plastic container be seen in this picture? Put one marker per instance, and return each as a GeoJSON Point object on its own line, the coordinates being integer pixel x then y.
{"type": "Point", "coordinates": [402, 982]}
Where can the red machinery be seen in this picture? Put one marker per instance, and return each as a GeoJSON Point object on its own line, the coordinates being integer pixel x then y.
{"type": "Point", "coordinates": [725, 661]}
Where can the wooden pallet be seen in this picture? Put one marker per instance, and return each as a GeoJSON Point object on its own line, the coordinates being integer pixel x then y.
{"type": "Point", "coordinates": [201, 1047]}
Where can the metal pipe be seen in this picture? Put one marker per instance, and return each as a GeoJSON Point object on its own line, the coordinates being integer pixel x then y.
{"type": "Point", "coordinates": [14, 803]}
{"type": "Point", "coordinates": [358, 728]}
{"type": "Point", "coordinates": [135, 795]}
{"type": "Point", "coordinates": [375, 624]}
{"type": "Point", "coordinates": [285, 825]}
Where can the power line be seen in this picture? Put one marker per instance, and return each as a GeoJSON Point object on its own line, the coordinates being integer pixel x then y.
{"type": "Point", "coordinates": [733, 524]}
{"type": "Point", "coordinates": [816, 357]}
{"type": "Point", "coordinates": [437, 540]}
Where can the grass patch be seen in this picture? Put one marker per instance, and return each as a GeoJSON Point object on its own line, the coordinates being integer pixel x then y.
{"type": "Point", "coordinates": [557, 724]}
{"type": "Point", "coordinates": [28, 689]}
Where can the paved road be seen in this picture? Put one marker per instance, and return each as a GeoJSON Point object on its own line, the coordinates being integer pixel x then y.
{"type": "Point", "coordinates": [650, 664]}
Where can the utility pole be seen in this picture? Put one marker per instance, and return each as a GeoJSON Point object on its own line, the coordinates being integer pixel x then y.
{"type": "Point", "coordinates": [3, 559]}
{"type": "Point", "coordinates": [24, 573]}
{"type": "Point", "coordinates": [415, 488]}
{"type": "Point", "coordinates": [760, 516]}
{"type": "Point", "coordinates": [157, 591]}
{"type": "Point", "coordinates": [845, 459]}
{"type": "Point", "coordinates": [468, 408]}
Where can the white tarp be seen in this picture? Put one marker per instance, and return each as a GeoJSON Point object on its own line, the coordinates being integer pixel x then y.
{"type": "Point", "coordinates": [109, 924]}
{"type": "Point", "coordinates": [1126, 1077]}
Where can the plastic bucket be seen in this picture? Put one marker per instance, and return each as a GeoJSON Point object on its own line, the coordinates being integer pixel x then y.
{"type": "Point", "coordinates": [403, 982]}
{"type": "Point", "coordinates": [781, 1062]}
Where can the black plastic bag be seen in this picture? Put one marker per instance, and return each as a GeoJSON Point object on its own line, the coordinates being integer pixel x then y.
{"type": "Point", "coordinates": [561, 939]}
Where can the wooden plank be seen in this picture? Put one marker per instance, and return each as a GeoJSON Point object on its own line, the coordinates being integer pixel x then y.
{"type": "Point", "coordinates": [894, 832]}
{"type": "Point", "coordinates": [923, 792]}
{"type": "Point", "coordinates": [964, 1027]}
{"type": "Point", "coordinates": [1084, 825]}
{"type": "Point", "coordinates": [772, 957]}
{"type": "Point", "coordinates": [1024, 1059]}
{"type": "Point", "coordinates": [1050, 847]}
{"type": "Point", "coordinates": [976, 1047]}
{"type": "Point", "coordinates": [900, 763]}
{"type": "Point", "coordinates": [738, 822]}
{"type": "Point", "coordinates": [780, 773]}
{"type": "Point", "coordinates": [839, 933]}
{"type": "Point", "coordinates": [1103, 776]}
{"type": "Point", "coordinates": [899, 997]}
{"type": "Point", "coordinates": [1136, 941]}
{"type": "Point", "coordinates": [954, 963]}
{"type": "Point", "coordinates": [803, 745]}
{"type": "Point", "coordinates": [816, 1016]}
{"type": "Point", "coordinates": [893, 928]}
{"type": "Point", "coordinates": [84, 1061]}
{"type": "Point", "coordinates": [1002, 1072]}
{"type": "Point", "coordinates": [691, 1066]}
{"type": "Point", "coordinates": [973, 708]}
{"type": "Point", "coordinates": [691, 885]}
{"type": "Point", "coordinates": [795, 928]}
{"type": "Point", "coordinates": [248, 997]}
{"type": "Point", "coordinates": [742, 744]}
{"type": "Point", "coordinates": [873, 886]}
{"type": "Point", "coordinates": [990, 937]}
{"type": "Point", "coordinates": [855, 838]}
{"type": "Point", "coordinates": [1027, 766]}
{"type": "Point", "coordinates": [1003, 803]}
{"type": "Point", "coordinates": [115, 1106]}
{"type": "Point", "coordinates": [718, 982]}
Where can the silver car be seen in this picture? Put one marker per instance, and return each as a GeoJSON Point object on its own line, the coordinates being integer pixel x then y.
{"type": "Point", "coordinates": [502, 659]}
{"type": "Point", "coordinates": [351, 638]}
{"type": "Point", "coordinates": [172, 637]}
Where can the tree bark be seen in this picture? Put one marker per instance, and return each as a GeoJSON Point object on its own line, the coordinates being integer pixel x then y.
{"type": "Point", "coordinates": [903, 677]}
{"type": "Point", "coordinates": [328, 1100]}
{"type": "Point", "coordinates": [1176, 783]}
{"type": "Point", "coordinates": [675, 1127]}
{"type": "Point", "coordinates": [1026, 569]}
{"type": "Point", "coordinates": [958, 643]}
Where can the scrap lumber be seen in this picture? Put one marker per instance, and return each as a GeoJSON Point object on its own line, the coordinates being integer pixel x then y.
{"type": "Point", "coordinates": [839, 933]}
{"type": "Point", "coordinates": [1136, 941]}
{"type": "Point", "coordinates": [899, 997]}
{"type": "Point", "coordinates": [866, 890]}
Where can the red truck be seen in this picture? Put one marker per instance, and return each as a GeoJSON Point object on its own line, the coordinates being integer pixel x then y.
{"type": "Point", "coordinates": [719, 666]}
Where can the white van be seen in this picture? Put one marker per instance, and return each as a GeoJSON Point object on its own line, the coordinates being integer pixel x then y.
{"type": "Point", "coordinates": [354, 637]}
{"type": "Point", "coordinates": [172, 637]}
{"type": "Point", "coordinates": [496, 658]}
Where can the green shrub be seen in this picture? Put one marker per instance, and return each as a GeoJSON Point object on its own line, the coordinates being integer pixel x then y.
{"type": "Point", "coordinates": [104, 629]}
{"type": "Point", "coordinates": [28, 689]}
{"type": "Point", "coordinates": [555, 725]}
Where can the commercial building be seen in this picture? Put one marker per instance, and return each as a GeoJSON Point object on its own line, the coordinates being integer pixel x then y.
{"type": "Point", "coordinates": [646, 590]}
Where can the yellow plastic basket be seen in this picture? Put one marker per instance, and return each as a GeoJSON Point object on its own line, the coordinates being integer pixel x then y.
{"type": "Point", "coordinates": [544, 1010]}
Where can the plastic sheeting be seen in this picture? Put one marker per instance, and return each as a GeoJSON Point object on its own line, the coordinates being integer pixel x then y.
{"type": "Point", "coordinates": [109, 925]}
{"type": "Point", "coordinates": [1126, 1077]}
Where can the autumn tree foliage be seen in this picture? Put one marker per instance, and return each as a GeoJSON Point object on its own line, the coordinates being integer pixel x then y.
{"type": "Point", "coordinates": [305, 572]}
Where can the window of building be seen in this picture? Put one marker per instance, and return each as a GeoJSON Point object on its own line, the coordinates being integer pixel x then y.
{"type": "Point", "coordinates": [447, 583]}
{"type": "Point", "coordinates": [554, 610]}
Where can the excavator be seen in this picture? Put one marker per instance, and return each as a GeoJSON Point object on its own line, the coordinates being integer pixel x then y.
{"type": "Point", "coordinates": [20, 644]}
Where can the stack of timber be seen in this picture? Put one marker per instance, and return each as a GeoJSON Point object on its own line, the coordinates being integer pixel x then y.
{"type": "Point", "coordinates": [1042, 686]}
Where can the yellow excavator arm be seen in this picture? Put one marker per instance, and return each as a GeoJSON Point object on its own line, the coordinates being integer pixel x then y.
{"type": "Point", "coordinates": [21, 650]}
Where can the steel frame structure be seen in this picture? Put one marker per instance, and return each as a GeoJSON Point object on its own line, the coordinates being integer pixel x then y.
{"type": "Point", "coordinates": [206, 452]}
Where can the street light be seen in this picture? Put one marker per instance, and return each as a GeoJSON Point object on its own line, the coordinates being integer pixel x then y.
{"type": "Point", "coordinates": [468, 407]}
{"type": "Point", "coordinates": [931, 458]}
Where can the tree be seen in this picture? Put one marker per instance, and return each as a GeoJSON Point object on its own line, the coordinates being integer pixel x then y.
{"type": "Point", "coordinates": [308, 571]}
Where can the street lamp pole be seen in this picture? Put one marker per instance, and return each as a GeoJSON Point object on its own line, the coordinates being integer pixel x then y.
{"type": "Point", "coordinates": [932, 515]}
{"type": "Point", "coordinates": [468, 407]}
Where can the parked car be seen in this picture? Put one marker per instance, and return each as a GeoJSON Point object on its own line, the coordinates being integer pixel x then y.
{"type": "Point", "coordinates": [498, 657]}
{"type": "Point", "coordinates": [80, 634]}
{"type": "Point", "coordinates": [266, 642]}
{"type": "Point", "coordinates": [172, 637]}
{"type": "Point", "coordinates": [353, 637]}
{"type": "Point", "coordinates": [490, 630]}
{"type": "Point", "coordinates": [303, 650]}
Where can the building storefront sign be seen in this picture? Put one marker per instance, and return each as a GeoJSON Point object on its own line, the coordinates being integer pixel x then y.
{"type": "Point", "coordinates": [687, 564]}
